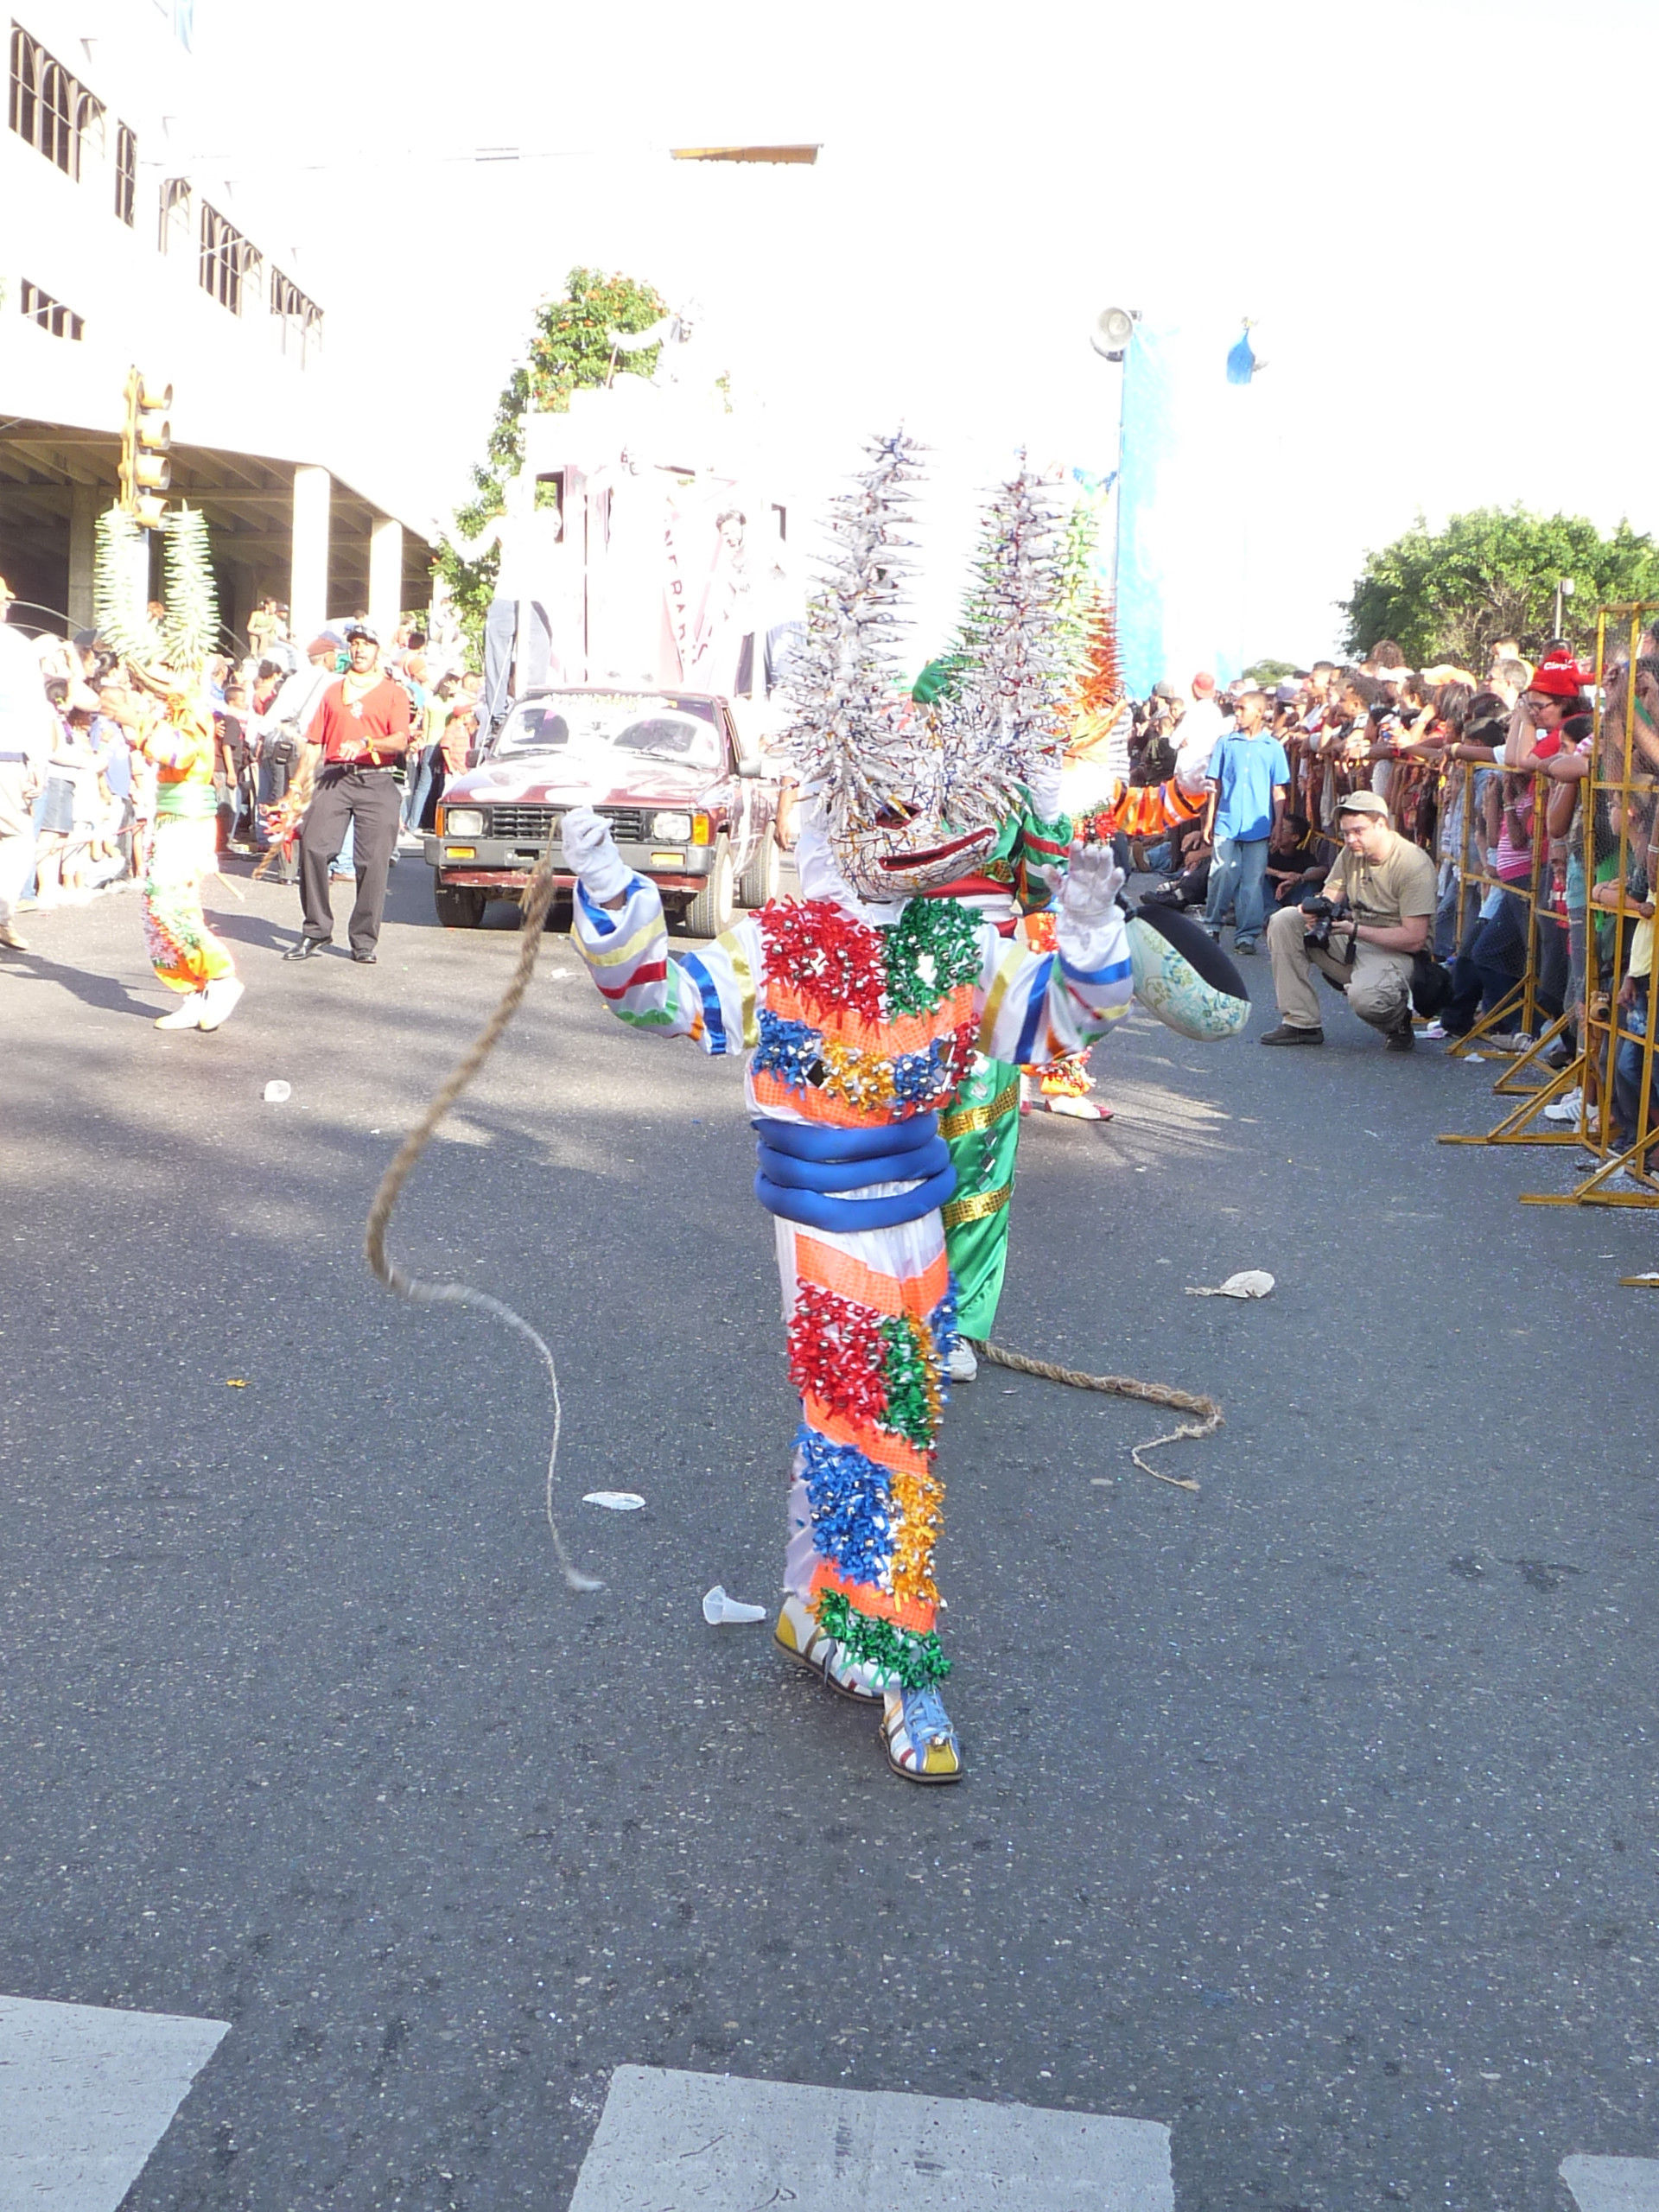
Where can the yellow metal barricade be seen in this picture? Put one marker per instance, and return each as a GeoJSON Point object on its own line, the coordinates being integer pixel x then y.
{"type": "Point", "coordinates": [1618, 1124]}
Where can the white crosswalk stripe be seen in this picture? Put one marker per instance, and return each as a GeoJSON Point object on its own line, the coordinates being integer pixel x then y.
{"type": "Point", "coordinates": [86, 2092]}
{"type": "Point", "coordinates": [675, 2142]}
{"type": "Point", "coordinates": [1613, 2185]}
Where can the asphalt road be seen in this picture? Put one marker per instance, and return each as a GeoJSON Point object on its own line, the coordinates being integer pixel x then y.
{"type": "Point", "coordinates": [1312, 1814]}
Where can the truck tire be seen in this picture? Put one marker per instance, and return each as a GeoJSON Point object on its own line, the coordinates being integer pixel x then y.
{"type": "Point", "coordinates": [459, 906]}
{"type": "Point", "coordinates": [758, 885]}
{"type": "Point", "coordinates": [710, 911]}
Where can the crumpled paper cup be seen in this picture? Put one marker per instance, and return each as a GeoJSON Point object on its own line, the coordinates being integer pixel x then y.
{"type": "Point", "coordinates": [721, 1612]}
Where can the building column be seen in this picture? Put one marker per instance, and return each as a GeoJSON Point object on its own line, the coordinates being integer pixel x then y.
{"type": "Point", "coordinates": [83, 540]}
{"type": "Point", "coordinates": [385, 577]}
{"type": "Point", "coordinates": [308, 587]}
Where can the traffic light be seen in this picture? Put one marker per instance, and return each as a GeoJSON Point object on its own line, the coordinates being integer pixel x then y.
{"type": "Point", "coordinates": [146, 436]}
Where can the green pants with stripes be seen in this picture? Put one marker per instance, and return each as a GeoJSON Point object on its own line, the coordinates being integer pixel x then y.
{"type": "Point", "coordinates": [982, 1130]}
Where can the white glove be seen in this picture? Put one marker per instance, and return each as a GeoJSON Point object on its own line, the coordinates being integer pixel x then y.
{"type": "Point", "coordinates": [590, 854]}
{"type": "Point", "coordinates": [1044, 785]}
{"type": "Point", "coordinates": [1093, 879]}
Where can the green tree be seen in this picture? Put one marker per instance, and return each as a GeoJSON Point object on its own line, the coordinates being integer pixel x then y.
{"type": "Point", "coordinates": [569, 350]}
{"type": "Point", "coordinates": [1447, 594]}
{"type": "Point", "coordinates": [1269, 670]}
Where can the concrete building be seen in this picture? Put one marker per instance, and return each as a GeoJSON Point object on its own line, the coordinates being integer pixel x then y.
{"type": "Point", "coordinates": [117, 250]}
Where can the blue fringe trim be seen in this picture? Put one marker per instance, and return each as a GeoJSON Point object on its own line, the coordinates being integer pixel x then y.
{"type": "Point", "coordinates": [852, 1523]}
{"type": "Point", "coordinates": [786, 1049]}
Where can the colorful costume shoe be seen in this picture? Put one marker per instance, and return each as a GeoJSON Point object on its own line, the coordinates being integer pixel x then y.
{"type": "Point", "coordinates": [921, 1744]}
{"type": "Point", "coordinates": [218, 1001]}
{"type": "Point", "coordinates": [187, 1015]}
{"type": "Point", "coordinates": [798, 1637]}
{"type": "Point", "coordinates": [1078, 1110]}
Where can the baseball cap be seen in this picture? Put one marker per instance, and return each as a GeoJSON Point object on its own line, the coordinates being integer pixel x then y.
{"type": "Point", "coordinates": [1363, 802]}
{"type": "Point", "coordinates": [1559, 677]}
{"type": "Point", "coordinates": [1287, 694]}
{"type": "Point", "coordinates": [362, 630]}
{"type": "Point", "coordinates": [1204, 683]}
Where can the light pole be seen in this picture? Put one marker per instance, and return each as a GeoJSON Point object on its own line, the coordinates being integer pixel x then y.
{"type": "Point", "coordinates": [1563, 590]}
{"type": "Point", "coordinates": [1110, 337]}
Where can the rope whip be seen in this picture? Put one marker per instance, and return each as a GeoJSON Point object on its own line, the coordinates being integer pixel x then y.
{"type": "Point", "coordinates": [538, 896]}
{"type": "Point", "coordinates": [1123, 1386]}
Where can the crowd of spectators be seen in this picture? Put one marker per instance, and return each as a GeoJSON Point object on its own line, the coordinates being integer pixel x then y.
{"type": "Point", "coordinates": [1486, 772]}
{"type": "Point", "coordinates": [91, 798]}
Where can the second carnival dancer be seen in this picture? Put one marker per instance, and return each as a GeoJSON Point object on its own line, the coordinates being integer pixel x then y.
{"type": "Point", "coordinates": [857, 1007]}
{"type": "Point", "coordinates": [1019, 876]}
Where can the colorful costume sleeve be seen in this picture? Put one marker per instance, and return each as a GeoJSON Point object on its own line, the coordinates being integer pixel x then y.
{"type": "Point", "coordinates": [709, 996]}
{"type": "Point", "coordinates": [1038, 857]}
{"type": "Point", "coordinates": [1037, 1006]}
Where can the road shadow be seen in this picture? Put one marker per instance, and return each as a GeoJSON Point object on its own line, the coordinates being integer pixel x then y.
{"type": "Point", "coordinates": [104, 992]}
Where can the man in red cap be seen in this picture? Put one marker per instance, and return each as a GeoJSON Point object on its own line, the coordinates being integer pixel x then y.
{"type": "Point", "coordinates": [361, 730]}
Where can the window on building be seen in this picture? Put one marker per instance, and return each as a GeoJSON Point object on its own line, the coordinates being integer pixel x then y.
{"type": "Point", "coordinates": [176, 230]}
{"type": "Point", "coordinates": [51, 315]}
{"type": "Point", "coordinates": [49, 108]}
{"type": "Point", "coordinates": [298, 321]}
{"type": "Point", "coordinates": [230, 267]}
{"type": "Point", "coordinates": [126, 174]}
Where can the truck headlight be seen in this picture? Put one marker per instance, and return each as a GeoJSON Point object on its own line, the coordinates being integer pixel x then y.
{"type": "Point", "coordinates": [672, 829]}
{"type": "Point", "coordinates": [463, 821]}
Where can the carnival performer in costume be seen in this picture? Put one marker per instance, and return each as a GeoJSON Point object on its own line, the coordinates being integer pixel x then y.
{"type": "Point", "coordinates": [858, 1007]}
{"type": "Point", "coordinates": [176, 738]}
{"type": "Point", "coordinates": [1006, 681]}
{"type": "Point", "coordinates": [183, 951]}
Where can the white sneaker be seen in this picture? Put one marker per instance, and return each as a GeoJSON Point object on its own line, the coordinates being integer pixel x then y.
{"type": "Point", "coordinates": [218, 1001]}
{"type": "Point", "coordinates": [1565, 1109]}
{"type": "Point", "coordinates": [961, 1366]}
{"type": "Point", "coordinates": [187, 1015]}
{"type": "Point", "coordinates": [1078, 1110]}
{"type": "Point", "coordinates": [1436, 1030]}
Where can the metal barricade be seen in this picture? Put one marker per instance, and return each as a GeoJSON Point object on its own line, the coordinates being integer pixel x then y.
{"type": "Point", "coordinates": [1619, 810]}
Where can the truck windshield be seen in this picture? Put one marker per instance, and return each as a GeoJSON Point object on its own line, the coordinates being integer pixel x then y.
{"type": "Point", "coordinates": [653, 724]}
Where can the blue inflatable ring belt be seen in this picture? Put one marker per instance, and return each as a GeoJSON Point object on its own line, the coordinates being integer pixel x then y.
{"type": "Point", "coordinates": [805, 1165]}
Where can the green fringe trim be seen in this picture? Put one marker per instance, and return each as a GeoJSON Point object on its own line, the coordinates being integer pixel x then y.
{"type": "Point", "coordinates": [899, 1653]}
{"type": "Point", "coordinates": [944, 933]}
{"type": "Point", "coordinates": [912, 1410]}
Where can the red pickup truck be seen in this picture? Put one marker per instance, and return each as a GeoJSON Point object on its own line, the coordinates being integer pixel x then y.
{"type": "Point", "coordinates": [690, 806]}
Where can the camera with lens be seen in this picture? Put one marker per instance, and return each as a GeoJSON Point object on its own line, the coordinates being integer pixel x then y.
{"type": "Point", "coordinates": [1318, 914]}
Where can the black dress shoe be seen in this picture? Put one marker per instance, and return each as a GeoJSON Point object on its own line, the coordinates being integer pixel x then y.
{"type": "Point", "coordinates": [307, 949]}
{"type": "Point", "coordinates": [366, 959]}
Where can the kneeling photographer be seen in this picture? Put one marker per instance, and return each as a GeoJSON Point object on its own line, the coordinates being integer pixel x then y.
{"type": "Point", "coordinates": [1374, 915]}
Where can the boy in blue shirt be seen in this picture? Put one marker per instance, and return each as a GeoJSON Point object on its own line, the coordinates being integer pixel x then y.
{"type": "Point", "coordinates": [1249, 779]}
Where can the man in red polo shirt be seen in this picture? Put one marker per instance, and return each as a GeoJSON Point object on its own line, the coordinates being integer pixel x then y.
{"type": "Point", "coordinates": [361, 730]}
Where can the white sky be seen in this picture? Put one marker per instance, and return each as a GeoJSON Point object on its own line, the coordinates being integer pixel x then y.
{"type": "Point", "coordinates": [1407, 196]}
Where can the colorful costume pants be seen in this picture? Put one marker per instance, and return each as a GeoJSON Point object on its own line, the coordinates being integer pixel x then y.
{"type": "Point", "coordinates": [982, 1130]}
{"type": "Point", "coordinates": [183, 951]}
{"type": "Point", "coordinates": [871, 1320]}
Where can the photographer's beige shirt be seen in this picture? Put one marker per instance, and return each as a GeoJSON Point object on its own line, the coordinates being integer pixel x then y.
{"type": "Point", "coordinates": [1384, 892]}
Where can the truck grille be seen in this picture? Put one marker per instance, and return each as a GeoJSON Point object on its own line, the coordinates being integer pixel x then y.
{"type": "Point", "coordinates": [530, 824]}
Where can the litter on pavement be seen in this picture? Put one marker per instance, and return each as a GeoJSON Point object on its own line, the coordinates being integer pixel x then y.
{"type": "Point", "coordinates": [721, 1612]}
{"type": "Point", "coordinates": [1249, 1282]}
